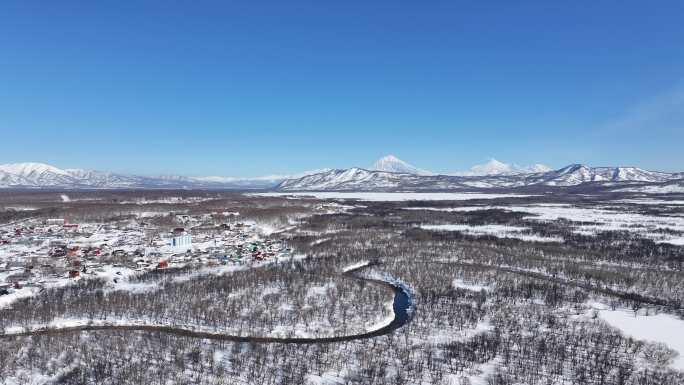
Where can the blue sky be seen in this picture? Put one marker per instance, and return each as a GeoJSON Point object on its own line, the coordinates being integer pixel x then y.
{"type": "Point", "coordinates": [251, 88]}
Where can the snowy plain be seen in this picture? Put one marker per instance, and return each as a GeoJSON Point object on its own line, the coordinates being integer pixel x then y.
{"type": "Point", "coordinates": [664, 328]}
{"type": "Point", "coordinates": [501, 231]}
{"type": "Point", "coordinates": [588, 221]}
{"type": "Point", "coordinates": [393, 196]}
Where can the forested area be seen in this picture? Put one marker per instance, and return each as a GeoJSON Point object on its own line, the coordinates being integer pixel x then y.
{"type": "Point", "coordinates": [485, 309]}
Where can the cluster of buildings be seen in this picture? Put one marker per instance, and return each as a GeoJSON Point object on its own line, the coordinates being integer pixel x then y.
{"type": "Point", "coordinates": [42, 252]}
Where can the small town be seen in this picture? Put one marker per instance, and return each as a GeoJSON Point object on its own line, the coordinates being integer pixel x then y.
{"type": "Point", "coordinates": [35, 254]}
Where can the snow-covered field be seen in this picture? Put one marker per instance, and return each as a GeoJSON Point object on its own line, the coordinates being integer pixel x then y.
{"type": "Point", "coordinates": [588, 221]}
{"type": "Point", "coordinates": [652, 202]}
{"type": "Point", "coordinates": [461, 284]}
{"type": "Point", "coordinates": [447, 336]}
{"type": "Point", "coordinates": [394, 197]}
{"type": "Point", "coordinates": [665, 189]}
{"type": "Point", "coordinates": [598, 219]}
{"type": "Point", "coordinates": [663, 328]}
{"type": "Point", "coordinates": [500, 231]}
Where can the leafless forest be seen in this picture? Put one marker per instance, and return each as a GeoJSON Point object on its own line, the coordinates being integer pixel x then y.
{"type": "Point", "coordinates": [485, 309]}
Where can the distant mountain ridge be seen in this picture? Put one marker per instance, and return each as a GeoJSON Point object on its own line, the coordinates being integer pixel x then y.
{"type": "Point", "coordinates": [574, 175]}
{"type": "Point", "coordinates": [39, 175]}
{"type": "Point", "coordinates": [388, 174]}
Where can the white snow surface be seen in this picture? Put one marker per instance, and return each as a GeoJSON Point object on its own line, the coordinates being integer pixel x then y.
{"type": "Point", "coordinates": [393, 196]}
{"type": "Point", "coordinates": [595, 219]}
{"type": "Point", "coordinates": [461, 284]}
{"type": "Point", "coordinates": [30, 168]}
{"type": "Point", "coordinates": [355, 266]}
{"type": "Point", "coordinates": [392, 174]}
{"type": "Point", "coordinates": [391, 163]}
{"type": "Point", "coordinates": [501, 231]}
{"type": "Point", "coordinates": [578, 173]}
{"type": "Point", "coordinates": [495, 167]}
{"type": "Point", "coordinates": [661, 327]}
{"type": "Point", "coordinates": [45, 175]}
{"type": "Point", "coordinates": [664, 189]}
{"type": "Point", "coordinates": [653, 202]}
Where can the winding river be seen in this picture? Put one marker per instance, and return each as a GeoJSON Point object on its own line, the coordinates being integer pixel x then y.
{"type": "Point", "coordinates": [401, 305]}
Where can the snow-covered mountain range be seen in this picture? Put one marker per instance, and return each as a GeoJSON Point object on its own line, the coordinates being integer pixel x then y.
{"type": "Point", "coordinates": [388, 173]}
{"type": "Point", "coordinates": [391, 163]}
{"type": "Point", "coordinates": [493, 174]}
{"type": "Point", "coordinates": [39, 175]}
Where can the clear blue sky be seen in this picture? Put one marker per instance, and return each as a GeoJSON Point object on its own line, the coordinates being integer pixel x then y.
{"type": "Point", "coordinates": [247, 88]}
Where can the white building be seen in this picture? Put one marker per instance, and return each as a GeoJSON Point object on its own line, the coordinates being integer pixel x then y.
{"type": "Point", "coordinates": [182, 240]}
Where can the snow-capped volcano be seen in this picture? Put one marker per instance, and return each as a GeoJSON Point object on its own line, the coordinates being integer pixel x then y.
{"type": "Point", "coordinates": [389, 173]}
{"type": "Point", "coordinates": [495, 167]}
{"type": "Point", "coordinates": [537, 167]}
{"type": "Point", "coordinates": [391, 163]}
{"type": "Point", "coordinates": [499, 175]}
